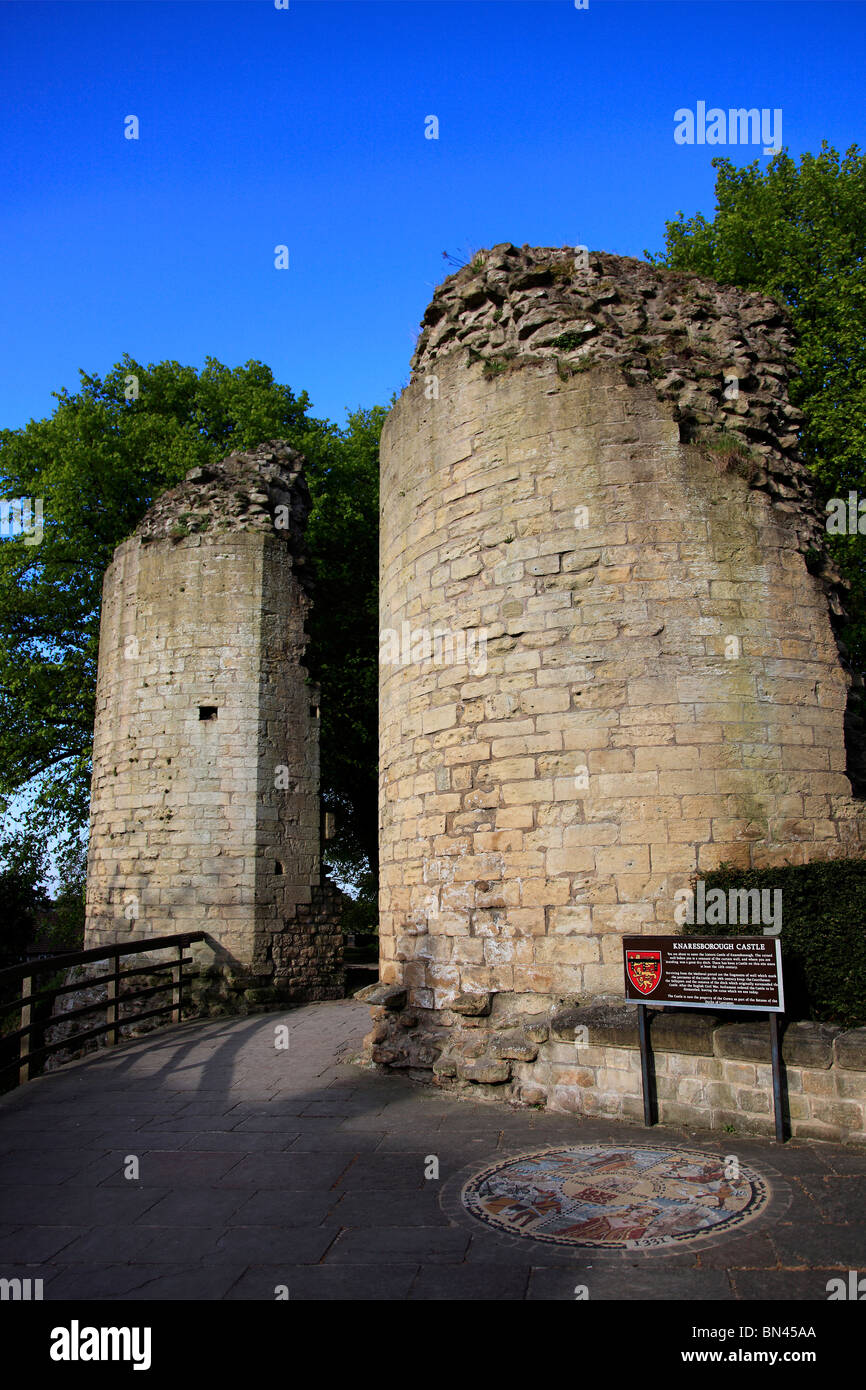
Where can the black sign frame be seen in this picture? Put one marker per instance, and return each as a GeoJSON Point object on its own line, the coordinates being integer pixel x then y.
{"type": "Point", "coordinates": [647, 1070]}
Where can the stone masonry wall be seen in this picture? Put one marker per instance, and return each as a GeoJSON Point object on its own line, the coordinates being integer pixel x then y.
{"type": "Point", "coordinates": [709, 1072]}
{"type": "Point", "coordinates": [205, 809]}
{"type": "Point", "coordinates": [662, 690]}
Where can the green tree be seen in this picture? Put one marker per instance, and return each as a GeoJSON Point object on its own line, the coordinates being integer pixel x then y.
{"type": "Point", "coordinates": [98, 462]}
{"type": "Point", "coordinates": [22, 893]}
{"type": "Point", "coordinates": [798, 233]}
{"type": "Point", "coordinates": [343, 537]}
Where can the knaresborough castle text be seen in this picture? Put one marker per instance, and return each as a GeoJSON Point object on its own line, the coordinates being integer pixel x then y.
{"type": "Point", "coordinates": [609, 671]}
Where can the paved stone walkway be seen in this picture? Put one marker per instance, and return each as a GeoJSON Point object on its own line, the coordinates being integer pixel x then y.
{"type": "Point", "coordinates": [261, 1167]}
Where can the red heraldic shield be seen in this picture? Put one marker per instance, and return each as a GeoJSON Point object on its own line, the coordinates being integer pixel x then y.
{"type": "Point", "coordinates": [644, 969]}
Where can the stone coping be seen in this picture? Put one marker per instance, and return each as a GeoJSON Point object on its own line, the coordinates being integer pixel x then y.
{"type": "Point", "coordinates": [610, 1023]}
{"type": "Point", "coordinates": [813, 1045]}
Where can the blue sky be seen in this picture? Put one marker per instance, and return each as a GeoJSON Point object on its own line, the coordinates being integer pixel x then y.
{"type": "Point", "coordinates": [305, 127]}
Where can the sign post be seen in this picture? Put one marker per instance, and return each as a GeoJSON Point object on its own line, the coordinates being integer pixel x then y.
{"type": "Point", "coordinates": [717, 972]}
{"type": "Point", "coordinates": [777, 1075]}
{"type": "Point", "coordinates": [645, 1077]}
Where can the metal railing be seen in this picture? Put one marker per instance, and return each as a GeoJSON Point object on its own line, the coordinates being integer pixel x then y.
{"type": "Point", "coordinates": [30, 1000]}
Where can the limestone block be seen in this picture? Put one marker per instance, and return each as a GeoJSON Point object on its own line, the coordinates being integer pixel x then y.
{"type": "Point", "coordinates": [809, 1044]}
{"type": "Point", "coordinates": [747, 1041]}
{"type": "Point", "coordinates": [513, 1046]}
{"type": "Point", "coordinates": [845, 1115]}
{"type": "Point", "coordinates": [849, 1049]}
{"type": "Point", "coordinates": [851, 1085]}
{"type": "Point", "coordinates": [818, 1083]}
{"type": "Point", "coordinates": [489, 1070]}
{"type": "Point", "coordinates": [680, 1030]}
{"type": "Point", "coordinates": [390, 997]}
{"type": "Point", "coordinates": [471, 1004]}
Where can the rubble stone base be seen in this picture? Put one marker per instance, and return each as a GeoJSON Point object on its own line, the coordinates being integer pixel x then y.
{"type": "Point", "coordinates": [562, 1055]}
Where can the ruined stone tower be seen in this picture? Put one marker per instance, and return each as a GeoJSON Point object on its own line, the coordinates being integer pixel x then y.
{"type": "Point", "coordinates": [608, 654]}
{"type": "Point", "coordinates": [205, 797]}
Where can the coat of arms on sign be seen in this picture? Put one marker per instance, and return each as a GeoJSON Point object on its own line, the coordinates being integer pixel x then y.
{"type": "Point", "coordinates": [644, 969]}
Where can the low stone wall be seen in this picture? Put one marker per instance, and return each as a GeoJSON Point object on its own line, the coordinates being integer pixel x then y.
{"type": "Point", "coordinates": [710, 1072]}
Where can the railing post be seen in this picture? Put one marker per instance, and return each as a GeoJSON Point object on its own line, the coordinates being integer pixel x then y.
{"type": "Point", "coordinates": [177, 986]}
{"type": "Point", "coordinates": [28, 1002]}
{"type": "Point", "coordinates": [24, 1044]}
{"type": "Point", "coordinates": [112, 1013]}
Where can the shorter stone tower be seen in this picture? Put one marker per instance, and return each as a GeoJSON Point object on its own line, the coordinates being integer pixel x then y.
{"type": "Point", "coordinates": [205, 796]}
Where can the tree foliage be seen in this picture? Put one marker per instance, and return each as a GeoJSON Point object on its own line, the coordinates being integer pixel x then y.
{"type": "Point", "coordinates": [343, 538]}
{"type": "Point", "coordinates": [22, 894]}
{"type": "Point", "coordinates": [798, 233]}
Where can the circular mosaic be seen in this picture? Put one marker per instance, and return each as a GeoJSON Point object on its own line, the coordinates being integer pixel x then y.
{"type": "Point", "coordinates": [619, 1198]}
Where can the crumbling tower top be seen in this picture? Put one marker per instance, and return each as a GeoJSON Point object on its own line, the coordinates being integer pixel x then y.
{"type": "Point", "coordinates": [260, 489]}
{"type": "Point", "coordinates": [720, 355]}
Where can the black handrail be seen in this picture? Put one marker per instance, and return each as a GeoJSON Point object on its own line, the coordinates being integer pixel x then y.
{"type": "Point", "coordinates": [127, 948]}
{"type": "Point", "coordinates": [114, 953]}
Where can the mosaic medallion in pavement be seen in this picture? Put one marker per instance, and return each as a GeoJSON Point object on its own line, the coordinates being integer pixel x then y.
{"type": "Point", "coordinates": [624, 1198]}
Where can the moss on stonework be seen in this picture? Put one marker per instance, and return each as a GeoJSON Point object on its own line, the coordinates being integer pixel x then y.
{"type": "Point", "coordinates": [188, 524]}
{"type": "Point", "coordinates": [560, 269]}
{"type": "Point", "coordinates": [568, 341]}
{"type": "Point", "coordinates": [728, 448]}
{"type": "Point", "coordinates": [494, 366]}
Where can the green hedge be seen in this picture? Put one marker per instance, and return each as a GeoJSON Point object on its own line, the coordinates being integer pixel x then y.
{"type": "Point", "coordinates": [823, 934]}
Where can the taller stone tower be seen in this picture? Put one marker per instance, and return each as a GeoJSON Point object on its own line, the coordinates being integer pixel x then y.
{"type": "Point", "coordinates": [608, 657]}
{"type": "Point", "coordinates": [205, 798]}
